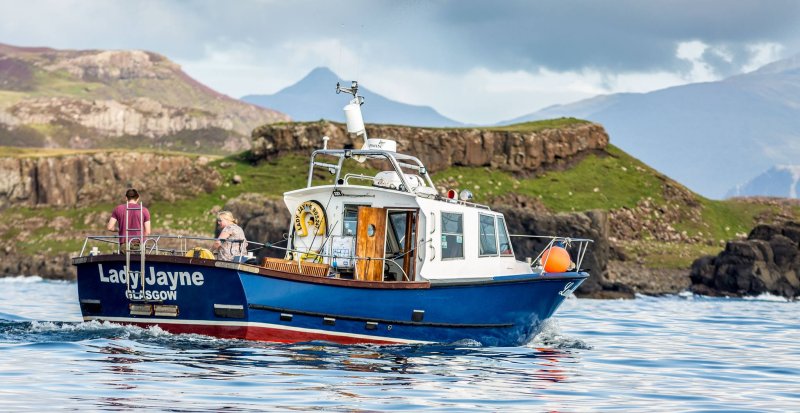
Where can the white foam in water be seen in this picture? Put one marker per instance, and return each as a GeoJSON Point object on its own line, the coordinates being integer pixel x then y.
{"type": "Point", "coordinates": [21, 279]}
{"type": "Point", "coordinates": [54, 326]}
{"type": "Point", "coordinates": [551, 336]}
{"type": "Point", "coordinates": [767, 297]}
{"type": "Point", "coordinates": [50, 326]}
{"type": "Point", "coordinates": [466, 342]}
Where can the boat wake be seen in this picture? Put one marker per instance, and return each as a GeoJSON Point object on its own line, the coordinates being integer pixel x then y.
{"type": "Point", "coordinates": [19, 331]}
{"type": "Point", "coordinates": [552, 337]}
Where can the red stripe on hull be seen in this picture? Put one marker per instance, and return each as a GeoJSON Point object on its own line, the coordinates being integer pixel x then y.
{"type": "Point", "coordinates": [276, 335]}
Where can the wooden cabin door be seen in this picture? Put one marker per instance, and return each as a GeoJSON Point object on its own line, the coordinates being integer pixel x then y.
{"type": "Point", "coordinates": [370, 242]}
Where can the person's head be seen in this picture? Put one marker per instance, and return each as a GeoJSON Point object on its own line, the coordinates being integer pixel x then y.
{"type": "Point", "coordinates": [225, 218]}
{"type": "Point", "coordinates": [132, 194]}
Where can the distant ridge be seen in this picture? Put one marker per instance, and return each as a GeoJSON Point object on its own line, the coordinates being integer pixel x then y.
{"type": "Point", "coordinates": [116, 98]}
{"type": "Point", "coordinates": [779, 181]}
{"type": "Point", "coordinates": [710, 136]}
{"type": "Point", "coordinates": [314, 98]}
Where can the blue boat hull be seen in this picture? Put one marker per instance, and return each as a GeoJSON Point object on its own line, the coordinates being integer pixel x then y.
{"type": "Point", "coordinates": [190, 295]}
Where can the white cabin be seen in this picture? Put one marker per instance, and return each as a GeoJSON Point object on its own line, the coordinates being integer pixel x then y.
{"type": "Point", "coordinates": [394, 226]}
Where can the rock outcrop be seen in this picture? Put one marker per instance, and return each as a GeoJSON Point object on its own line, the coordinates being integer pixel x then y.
{"type": "Point", "coordinates": [139, 117]}
{"type": "Point", "coordinates": [82, 179]}
{"type": "Point", "coordinates": [441, 148]}
{"type": "Point", "coordinates": [768, 261]}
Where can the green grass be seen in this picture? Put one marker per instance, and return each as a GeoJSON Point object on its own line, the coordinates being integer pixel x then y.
{"type": "Point", "coordinates": [607, 182]}
{"type": "Point", "coordinates": [61, 83]}
{"type": "Point", "coordinates": [668, 255]}
{"type": "Point", "coordinates": [722, 220]}
{"type": "Point", "coordinates": [9, 98]}
{"type": "Point", "coordinates": [20, 152]}
{"type": "Point", "coordinates": [270, 178]}
{"type": "Point", "coordinates": [539, 125]}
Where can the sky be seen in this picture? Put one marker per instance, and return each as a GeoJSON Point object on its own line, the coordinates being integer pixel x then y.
{"type": "Point", "coordinates": [477, 62]}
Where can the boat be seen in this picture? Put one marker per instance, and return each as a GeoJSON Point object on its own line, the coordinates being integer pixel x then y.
{"type": "Point", "coordinates": [380, 258]}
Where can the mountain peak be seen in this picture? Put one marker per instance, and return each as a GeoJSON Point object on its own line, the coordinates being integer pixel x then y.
{"type": "Point", "coordinates": [789, 64]}
{"type": "Point", "coordinates": [312, 98]}
{"type": "Point", "coordinates": [321, 72]}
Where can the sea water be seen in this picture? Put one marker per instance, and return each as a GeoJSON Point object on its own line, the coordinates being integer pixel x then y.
{"type": "Point", "coordinates": [680, 353]}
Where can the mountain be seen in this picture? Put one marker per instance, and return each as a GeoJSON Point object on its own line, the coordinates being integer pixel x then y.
{"type": "Point", "coordinates": [779, 181]}
{"type": "Point", "coordinates": [116, 98]}
{"type": "Point", "coordinates": [313, 98]}
{"type": "Point", "coordinates": [710, 136]}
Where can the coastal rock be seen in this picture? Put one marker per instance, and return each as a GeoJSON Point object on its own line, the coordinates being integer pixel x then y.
{"type": "Point", "coordinates": [440, 148]}
{"type": "Point", "coordinates": [768, 261]}
{"type": "Point", "coordinates": [84, 179]}
{"type": "Point", "coordinates": [46, 265]}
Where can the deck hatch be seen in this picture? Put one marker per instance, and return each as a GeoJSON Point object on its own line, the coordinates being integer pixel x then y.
{"type": "Point", "coordinates": [141, 309]}
{"type": "Point", "coordinates": [229, 311]}
{"type": "Point", "coordinates": [417, 315]}
{"type": "Point", "coordinates": [91, 307]}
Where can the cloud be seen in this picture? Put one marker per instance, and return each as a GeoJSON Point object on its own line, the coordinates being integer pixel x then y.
{"type": "Point", "coordinates": [474, 60]}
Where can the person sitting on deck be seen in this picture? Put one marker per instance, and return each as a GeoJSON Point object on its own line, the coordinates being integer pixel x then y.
{"type": "Point", "coordinates": [231, 242]}
{"type": "Point", "coordinates": [137, 215]}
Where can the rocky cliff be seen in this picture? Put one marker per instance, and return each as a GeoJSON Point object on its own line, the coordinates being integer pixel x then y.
{"type": "Point", "coordinates": [49, 204]}
{"type": "Point", "coordinates": [508, 150]}
{"type": "Point", "coordinates": [80, 179]}
{"type": "Point", "coordinates": [107, 98]}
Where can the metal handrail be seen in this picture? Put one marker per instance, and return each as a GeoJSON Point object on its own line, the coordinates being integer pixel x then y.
{"type": "Point", "coordinates": [582, 243]}
{"type": "Point", "coordinates": [583, 246]}
{"type": "Point", "coordinates": [155, 238]}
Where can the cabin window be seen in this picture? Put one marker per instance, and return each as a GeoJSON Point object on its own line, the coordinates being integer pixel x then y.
{"type": "Point", "coordinates": [502, 237]}
{"type": "Point", "coordinates": [488, 235]}
{"type": "Point", "coordinates": [452, 235]}
{"type": "Point", "coordinates": [350, 222]}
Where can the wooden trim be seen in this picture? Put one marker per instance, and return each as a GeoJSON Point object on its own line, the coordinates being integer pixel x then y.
{"type": "Point", "coordinates": [296, 267]}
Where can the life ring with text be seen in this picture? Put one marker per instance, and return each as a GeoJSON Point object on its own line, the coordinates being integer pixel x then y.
{"type": "Point", "coordinates": [309, 211]}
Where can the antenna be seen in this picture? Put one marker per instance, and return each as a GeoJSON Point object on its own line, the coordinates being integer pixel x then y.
{"type": "Point", "coordinates": [352, 90]}
{"type": "Point", "coordinates": [355, 122]}
{"type": "Point", "coordinates": [352, 113]}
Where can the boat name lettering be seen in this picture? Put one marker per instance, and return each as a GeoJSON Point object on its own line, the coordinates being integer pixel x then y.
{"type": "Point", "coordinates": [151, 295]}
{"type": "Point", "coordinates": [164, 278]}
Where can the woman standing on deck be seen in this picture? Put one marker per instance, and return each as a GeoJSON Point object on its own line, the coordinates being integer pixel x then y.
{"type": "Point", "coordinates": [231, 241]}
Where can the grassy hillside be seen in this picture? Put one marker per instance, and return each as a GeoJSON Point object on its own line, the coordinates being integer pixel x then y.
{"type": "Point", "coordinates": [608, 180]}
{"type": "Point", "coordinates": [49, 96]}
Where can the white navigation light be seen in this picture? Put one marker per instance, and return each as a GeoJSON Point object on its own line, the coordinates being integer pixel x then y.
{"type": "Point", "coordinates": [355, 122]}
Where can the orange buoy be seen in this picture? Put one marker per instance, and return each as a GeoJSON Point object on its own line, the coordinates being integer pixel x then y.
{"type": "Point", "coordinates": [555, 259]}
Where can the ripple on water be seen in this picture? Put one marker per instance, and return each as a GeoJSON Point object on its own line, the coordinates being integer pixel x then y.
{"type": "Point", "coordinates": [669, 353]}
